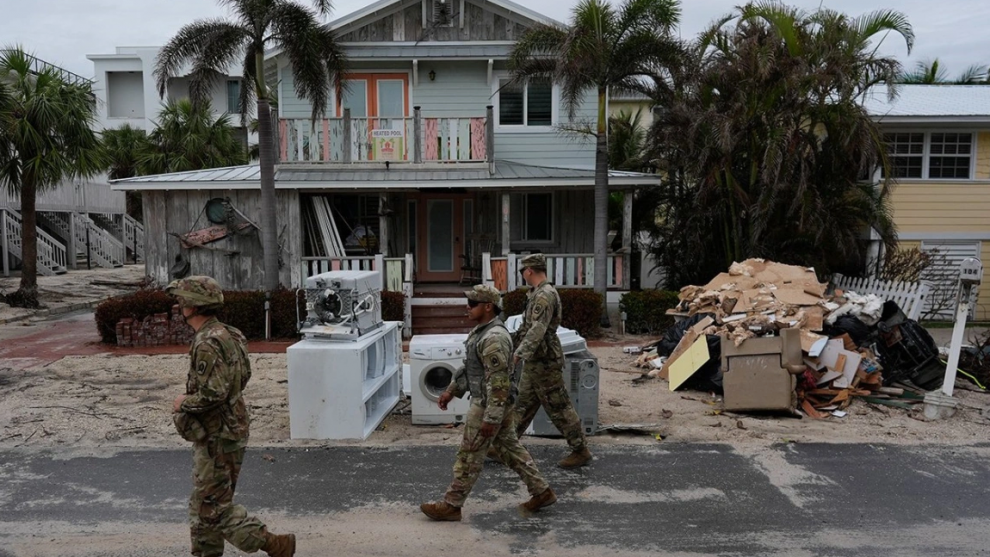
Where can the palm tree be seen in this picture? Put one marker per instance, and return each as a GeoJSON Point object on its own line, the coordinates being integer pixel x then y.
{"type": "Point", "coordinates": [122, 147]}
{"type": "Point", "coordinates": [626, 139]}
{"type": "Point", "coordinates": [211, 46]}
{"type": "Point", "coordinates": [932, 73]}
{"type": "Point", "coordinates": [603, 49]}
{"type": "Point", "coordinates": [765, 142]}
{"type": "Point", "coordinates": [46, 137]}
{"type": "Point", "coordinates": [188, 137]}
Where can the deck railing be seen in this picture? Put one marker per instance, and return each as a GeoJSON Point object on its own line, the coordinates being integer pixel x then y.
{"type": "Point", "coordinates": [51, 252]}
{"type": "Point", "coordinates": [87, 197]}
{"type": "Point", "coordinates": [355, 140]}
{"type": "Point", "coordinates": [564, 270]}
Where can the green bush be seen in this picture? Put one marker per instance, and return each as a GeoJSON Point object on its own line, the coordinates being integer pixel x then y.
{"type": "Point", "coordinates": [646, 310]}
{"type": "Point", "coordinates": [242, 309]}
{"type": "Point", "coordinates": [138, 305]}
{"type": "Point", "coordinates": [581, 307]}
{"type": "Point", "coordinates": [393, 306]}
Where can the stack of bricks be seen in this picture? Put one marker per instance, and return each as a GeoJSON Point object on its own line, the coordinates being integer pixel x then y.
{"type": "Point", "coordinates": [159, 329]}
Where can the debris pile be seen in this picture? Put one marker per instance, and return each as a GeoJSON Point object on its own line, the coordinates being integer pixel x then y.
{"type": "Point", "coordinates": [844, 339]}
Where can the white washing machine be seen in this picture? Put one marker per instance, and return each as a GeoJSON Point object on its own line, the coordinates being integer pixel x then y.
{"type": "Point", "coordinates": [433, 360]}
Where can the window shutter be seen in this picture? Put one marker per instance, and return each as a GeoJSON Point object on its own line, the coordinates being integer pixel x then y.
{"type": "Point", "coordinates": [443, 13]}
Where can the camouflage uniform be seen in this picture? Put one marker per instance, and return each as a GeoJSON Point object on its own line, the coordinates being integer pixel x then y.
{"type": "Point", "coordinates": [542, 380]}
{"type": "Point", "coordinates": [493, 391]}
{"type": "Point", "coordinates": [214, 417]}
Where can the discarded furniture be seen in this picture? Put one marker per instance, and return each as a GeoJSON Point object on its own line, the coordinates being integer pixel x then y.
{"type": "Point", "coordinates": [760, 373]}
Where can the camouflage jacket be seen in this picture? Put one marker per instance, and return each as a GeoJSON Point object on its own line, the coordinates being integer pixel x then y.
{"type": "Point", "coordinates": [486, 370]}
{"type": "Point", "coordinates": [536, 339]}
{"type": "Point", "coordinates": [218, 372]}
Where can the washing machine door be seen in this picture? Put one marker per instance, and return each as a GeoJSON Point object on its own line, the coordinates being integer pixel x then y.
{"type": "Point", "coordinates": [435, 378]}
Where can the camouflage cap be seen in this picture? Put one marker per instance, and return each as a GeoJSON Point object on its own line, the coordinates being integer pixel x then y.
{"type": "Point", "coordinates": [484, 294]}
{"type": "Point", "coordinates": [533, 260]}
{"type": "Point", "coordinates": [196, 291]}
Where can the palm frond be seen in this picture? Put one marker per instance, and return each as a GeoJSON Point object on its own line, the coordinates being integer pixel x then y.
{"type": "Point", "coordinates": [210, 44]}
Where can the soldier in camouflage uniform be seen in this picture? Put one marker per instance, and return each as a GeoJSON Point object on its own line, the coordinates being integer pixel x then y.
{"type": "Point", "coordinates": [486, 375]}
{"type": "Point", "coordinates": [539, 347]}
{"type": "Point", "coordinates": [213, 415]}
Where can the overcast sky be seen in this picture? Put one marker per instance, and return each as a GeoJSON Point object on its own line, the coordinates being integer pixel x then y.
{"type": "Point", "coordinates": [63, 32]}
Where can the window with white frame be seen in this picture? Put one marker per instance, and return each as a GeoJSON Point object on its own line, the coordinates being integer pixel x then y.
{"type": "Point", "coordinates": [525, 104]}
{"type": "Point", "coordinates": [930, 155]}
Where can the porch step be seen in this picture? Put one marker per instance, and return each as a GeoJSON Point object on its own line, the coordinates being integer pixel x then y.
{"type": "Point", "coordinates": [440, 319]}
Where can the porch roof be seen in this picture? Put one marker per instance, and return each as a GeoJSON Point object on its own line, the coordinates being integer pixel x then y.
{"type": "Point", "coordinates": [374, 176]}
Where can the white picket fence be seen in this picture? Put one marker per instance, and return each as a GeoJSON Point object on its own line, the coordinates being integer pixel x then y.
{"type": "Point", "coordinates": [909, 296]}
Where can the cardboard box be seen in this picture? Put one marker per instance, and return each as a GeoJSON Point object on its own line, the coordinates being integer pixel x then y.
{"type": "Point", "coordinates": [760, 374]}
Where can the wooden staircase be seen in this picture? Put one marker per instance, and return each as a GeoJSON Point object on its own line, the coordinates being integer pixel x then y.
{"type": "Point", "coordinates": [439, 309]}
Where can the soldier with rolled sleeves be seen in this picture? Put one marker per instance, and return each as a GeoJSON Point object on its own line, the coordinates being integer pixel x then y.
{"type": "Point", "coordinates": [486, 375]}
{"type": "Point", "coordinates": [539, 347]}
{"type": "Point", "coordinates": [213, 415]}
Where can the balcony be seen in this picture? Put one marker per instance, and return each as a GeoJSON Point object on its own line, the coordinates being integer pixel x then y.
{"type": "Point", "coordinates": [418, 139]}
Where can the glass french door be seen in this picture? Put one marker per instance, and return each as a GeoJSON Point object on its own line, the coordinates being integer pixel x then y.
{"type": "Point", "coordinates": [379, 105]}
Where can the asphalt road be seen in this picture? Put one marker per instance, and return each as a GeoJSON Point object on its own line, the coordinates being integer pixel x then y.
{"type": "Point", "coordinates": [667, 499]}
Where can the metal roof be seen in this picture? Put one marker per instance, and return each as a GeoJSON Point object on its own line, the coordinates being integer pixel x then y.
{"type": "Point", "coordinates": [374, 176]}
{"type": "Point", "coordinates": [361, 51]}
{"type": "Point", "coordinates": [941, 103]}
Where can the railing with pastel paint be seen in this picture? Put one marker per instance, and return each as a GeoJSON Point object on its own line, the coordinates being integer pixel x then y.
{"type": "Point", "coordinates": [400, 140]}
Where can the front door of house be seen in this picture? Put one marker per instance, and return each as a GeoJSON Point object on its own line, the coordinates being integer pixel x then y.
{"type": "Point", "coordinates": [442, 222]}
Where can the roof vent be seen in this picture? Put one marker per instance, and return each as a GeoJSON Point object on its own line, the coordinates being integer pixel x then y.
{"type": "Point", "coordinates": [443, 13]}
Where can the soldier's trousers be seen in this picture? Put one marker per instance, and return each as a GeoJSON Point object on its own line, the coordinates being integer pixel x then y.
{"type": "Point", "coordinates": [213, 516]}
{"type": "Point", "coordinates": [542, 384]}
{"type": "Point", "coordinates": [474, 447]}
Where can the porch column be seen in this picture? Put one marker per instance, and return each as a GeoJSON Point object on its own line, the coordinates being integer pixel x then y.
{"type": "Point", "coordinates": [4, 243]}
{"type": "Point", "coordinates": [383, 231]}
{"type": "Point", "coordinates": [505, 224]}
{"type": "Point", "coordinates": [626, 238]}
{"type": "Point", "coordinates": [73, 253]}
{"type": "Point", "coordinates": [347, 135]}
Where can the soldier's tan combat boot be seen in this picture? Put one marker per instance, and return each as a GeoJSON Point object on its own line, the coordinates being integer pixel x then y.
{"type": "Point", "coordinates": [576, 459]}
{"type": "Point", "coordinates": [442, 511]}
{"type": "Point", "coordinates": [279, 546]}
{"type": "Point", "coordinates": [537, 502]}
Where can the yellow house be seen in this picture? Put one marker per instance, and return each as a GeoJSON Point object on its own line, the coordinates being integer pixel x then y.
{"type": "Point", "coordinates": [938, 140]}
{"type": "Point", "coordinates": [630, 103]}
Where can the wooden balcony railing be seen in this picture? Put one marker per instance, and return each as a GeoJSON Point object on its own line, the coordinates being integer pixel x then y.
{"type": "Point", "coordinates": [563, 270]}
{"type": "Point", "coordinates": [418, 139]}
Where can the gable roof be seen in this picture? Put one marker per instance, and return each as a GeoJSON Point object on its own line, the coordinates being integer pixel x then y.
{"type": "Point", "coordinates": [930, 103]}
{"type": "Point", "coordinates": [374, 177]}
{"type": "Point", "coordinates": [381, 5]}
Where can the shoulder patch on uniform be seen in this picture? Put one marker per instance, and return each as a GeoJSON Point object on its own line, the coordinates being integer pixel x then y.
{"type": "Point", "coordinates": [538, 307]}
{"type": "Point", "coordinates": [495, 361]}
{"type": "Point", "coordinates": [201, 368]}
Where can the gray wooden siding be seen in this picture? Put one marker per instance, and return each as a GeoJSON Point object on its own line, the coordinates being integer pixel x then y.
{"type": "Point", "coordinates": [461, 89]}
{"type": "Point", "coordinates": [546, 149]}
{"type": "Point", "coordinates": [574, 215]}
{"type": "Point", "coordinates": [182, 211]}
{"type": "Point", "coordinates": [480, 24]}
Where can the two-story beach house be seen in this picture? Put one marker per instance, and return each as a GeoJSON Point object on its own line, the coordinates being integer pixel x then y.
{"type": "Point", "coordinates": [433, 169]}
{"type": "Point", "coordinates": [939, 143]}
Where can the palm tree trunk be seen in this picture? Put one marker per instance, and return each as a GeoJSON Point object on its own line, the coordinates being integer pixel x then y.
{"type": "Point", "coordinates": [27, 294]}
{"type": "Point", "coordinates": [269, 234]}
{"type": "Point", "coordinates": [601, 207]}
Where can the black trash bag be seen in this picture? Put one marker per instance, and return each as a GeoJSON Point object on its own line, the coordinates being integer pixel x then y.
{"type": "Point", "coordinates": [851, 325]}
{"type": "Point", "coordinates": [907, 351]}
{"type": "Point", "coordinates": [675, 333]}
{"type": "Point", "coordinates": [709, 377]}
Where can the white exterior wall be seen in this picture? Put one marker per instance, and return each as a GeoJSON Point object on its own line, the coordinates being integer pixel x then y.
{"type": "Point", "coordinates": [139, 63]}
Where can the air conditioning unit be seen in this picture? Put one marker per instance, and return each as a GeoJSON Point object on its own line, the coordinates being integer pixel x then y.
{"type": "Point", "coordinates": [581, 377]}
{"type": "Point", "coordinates": [342, 305]}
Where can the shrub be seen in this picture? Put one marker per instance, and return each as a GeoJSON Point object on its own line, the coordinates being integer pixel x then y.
{"type": "Point", "coordinates": [646, 310]}
{"type": "Point", "coordinates": [393, 306]}
{"type": "Point", "coordinates": [244, 310]}
{"type": "Point", "coordinates": [138, 305]}
{"type": "Point", "coordinates": [582, 309]}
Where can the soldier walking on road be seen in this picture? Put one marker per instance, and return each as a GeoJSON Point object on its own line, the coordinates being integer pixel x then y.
{"type": "Point", "coordinates": [542, 380]}
{"type": "Point", "coordinates": [486, 375]}
{"type": "Point", "coordinates": [213, 415]}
